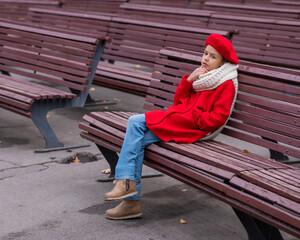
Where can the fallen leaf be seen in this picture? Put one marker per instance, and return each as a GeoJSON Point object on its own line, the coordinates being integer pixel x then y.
{"type": "Point", "coordinates": [0, 141]}
{"type": "Point", "coordinates": [106, 108]}
{"type": "Point", "coordinates": [184, 190]}
{"type": "Point", "coordinates": [246, 151]}
{"type": "Point", "coordinates": [92, 89]}
{"type": "Point", "coordinates": [117, 99]}
{"type": "Point", "coordinates": [106, 171]}
{"type": "Point", "coordinates": [182, 221]}
{"type": "Point", "coordinates": [137, 66]}
{"type": "Point", "coordinates": [76, 160]}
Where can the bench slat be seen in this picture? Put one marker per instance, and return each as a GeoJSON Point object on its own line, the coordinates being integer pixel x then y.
{"type": "Point", "coordinates": [258, 179]}
{"type": "Point", "coordinates": [268, 195]}
{"type": "Point", "coordinates": [15, 102]}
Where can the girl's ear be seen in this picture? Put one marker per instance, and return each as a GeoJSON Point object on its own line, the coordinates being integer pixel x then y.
{"type": "Point", "coordinates": [222, 63]}
{"type": "Point", "coordinates": [224, 60]}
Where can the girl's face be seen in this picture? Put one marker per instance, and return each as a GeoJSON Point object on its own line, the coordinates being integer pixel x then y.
{"type": "Point", "coordinates": [211, 58]}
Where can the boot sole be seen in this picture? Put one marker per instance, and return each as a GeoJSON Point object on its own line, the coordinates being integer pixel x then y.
{"type": "Point", "coordinates": [121, 197]}
{"type": "Point", "coordinates": [125, 217]}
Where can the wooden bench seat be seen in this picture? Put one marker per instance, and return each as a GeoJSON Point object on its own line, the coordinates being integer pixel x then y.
{"type": "Point", "coordinates": [118, 77]}
{"type": "Point", "coordinates": [265, 194]}
{"type": "Point", "coordinates": [39, 66]}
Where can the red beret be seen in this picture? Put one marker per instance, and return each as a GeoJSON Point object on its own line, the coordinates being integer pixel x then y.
{"type": "Point", "coordinates": [223, 46]}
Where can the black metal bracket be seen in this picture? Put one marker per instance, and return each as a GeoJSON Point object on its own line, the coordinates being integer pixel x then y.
{"type": "Point", "coordinates": [112, 159]}
{"type": "Point", "coordinates": [256, 229]}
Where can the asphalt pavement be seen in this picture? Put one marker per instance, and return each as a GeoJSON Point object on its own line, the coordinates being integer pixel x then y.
{"type": "Point", "coordinates": [50, 196]}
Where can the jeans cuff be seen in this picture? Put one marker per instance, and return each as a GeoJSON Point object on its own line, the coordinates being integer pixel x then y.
{"type": "Point", "coordinates": [133, 198]}
{"type": "Point", "coordinates": [125, 177]}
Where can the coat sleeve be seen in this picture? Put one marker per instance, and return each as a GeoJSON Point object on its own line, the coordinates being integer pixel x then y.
{"type": "Point", "coordinates": [220, 112]}
{"type": "Point", "coordinates": [183, 90]}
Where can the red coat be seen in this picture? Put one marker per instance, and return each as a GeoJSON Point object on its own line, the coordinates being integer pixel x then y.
{"type": "Point", "coordinates": [193, 114]}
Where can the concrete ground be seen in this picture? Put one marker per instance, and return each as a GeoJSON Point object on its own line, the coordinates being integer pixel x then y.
{"type": "Point", "coordinates": [40, 198]}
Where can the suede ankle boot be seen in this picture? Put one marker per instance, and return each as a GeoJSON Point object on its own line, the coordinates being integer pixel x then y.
{"type": "Point", "coordinates": [125, 210]}
{"type": "Point", "coordinates": [124, 188]}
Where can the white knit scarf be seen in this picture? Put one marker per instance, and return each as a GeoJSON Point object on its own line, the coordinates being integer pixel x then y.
{"type": "Point", "coordinates": [213, 79]}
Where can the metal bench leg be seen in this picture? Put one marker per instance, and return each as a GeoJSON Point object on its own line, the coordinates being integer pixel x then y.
{"type": "Point", "coordinates": [256, 229]}
{"type": "Point", "coordinates": [92, 102]}
{"type": "Point", "coordinates": [112, 159]}
{"type": "Point", "coordinates": [188, 4]}
{"type": "Point", "coordinates": [5, 73]}
{"type": "Point", "coordinates": [40, 120]}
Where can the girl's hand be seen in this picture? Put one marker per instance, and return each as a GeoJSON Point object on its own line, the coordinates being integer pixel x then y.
{"type": "Point", "coordinates": [196, 73]}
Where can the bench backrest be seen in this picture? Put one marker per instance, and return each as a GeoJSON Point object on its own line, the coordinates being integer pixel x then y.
{"type": "Point", "coordinates": [287, 3]}
{"type": "Point", "coordinates": [92, 24]}
{"type": "Point", "coordinates": [268, 102]}
{"type": "Point", "coordinates": [51, 57]}
{"type": "Point", "coordinates": [264, 40]}
{"type": "Point", "coordinates": [169, 3]}
{"type": "Point", "coordinates": [17, 10]}
{"type": "Point", "coordinates": [253, 10]}
{"type": "Point", "coordinates": [96, 6]}
{"type": "Point", "coordinates": [173, 15]}
{"type": "Point", "coordinates": [134, 40]}
{"type": "Point", "coordinates": [138, 42]}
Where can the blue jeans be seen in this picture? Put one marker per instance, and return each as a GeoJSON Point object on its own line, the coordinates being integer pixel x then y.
{"type": "Point", "coordinates": [130, 163]}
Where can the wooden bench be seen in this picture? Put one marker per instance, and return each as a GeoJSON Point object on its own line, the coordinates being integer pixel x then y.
{"type": "Point", "coordinates": [38, 66]}
{"type": "Point", "coordinates": [131, 37]}
{"type": "Point", "coordinates": [138, 42]}
{"type": "Point", "coordinates": [163, 14]}
{"type": "Point", "coordinates": [113, 76]}
{"type": "Point", "coordinates": [88, 23]}
{"type": "Point", "coordinates": [96, 6]}
{"type": "Point", "coordinates": [295, 4]}
{"type": "Point", "coordinates": [253, 10]}
{"type": "Point", "coordinates": [264, 40]}
{"type": "Point", "coordinates": [168, 3]}
{"type": "Point", "coordinates": [17, 10]}
{"type": "Point", "coordinates": [264, 193]}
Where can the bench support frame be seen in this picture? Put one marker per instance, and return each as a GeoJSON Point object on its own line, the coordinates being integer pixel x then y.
{"type": "Point", "coordinates": [256, 229]}
{"type": "Point", "coordinates": [42, 107]}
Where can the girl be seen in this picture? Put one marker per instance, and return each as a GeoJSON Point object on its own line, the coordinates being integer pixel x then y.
{"type": "Point", "coordinates": [203, 102]}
